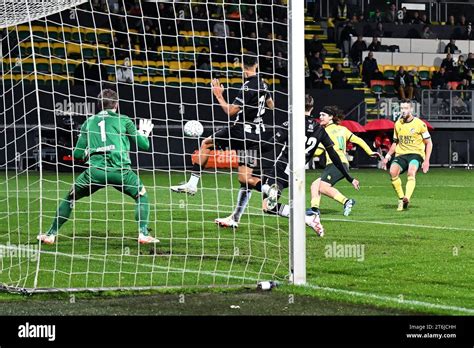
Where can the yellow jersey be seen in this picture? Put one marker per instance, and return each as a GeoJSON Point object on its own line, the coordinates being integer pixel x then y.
{"type": "Point", "coordinates": [410, 137]}
{"type": "Point", "coordinates": [340, 135]}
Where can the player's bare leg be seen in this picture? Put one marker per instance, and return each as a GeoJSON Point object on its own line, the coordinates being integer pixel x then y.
{"type": "Point", "coordinates": [191, 186]}
{"type": "Point", "coordinates": [330, 191]}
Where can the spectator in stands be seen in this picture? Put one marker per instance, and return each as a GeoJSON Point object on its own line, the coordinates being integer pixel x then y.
{"type": "Point", "coordinates": [125, 72]}
{"type": "Point", "coordinates": [357, 48]}
{"type": "Point", "coordinates": [345, 41]}
{"type": "Point", "coordinates": [402, 16]}
{"type": "Point", "coordinates": [460, 70]}
{"type": "Point", "coordinates": [448, 64]}
{"type": "Point", "coordinates": [375, 44]}
{"type": "Point", "coordinates": [341, 12]}
{"type": "Point", "coordinates": [315, 61]}
{"type": "Point", "coordinates": [338, 78]}
{"type": "Point", "coordinates": [439, 81]}
{"type": "Point", "coordinates": [470, 61]}
{"type": "Point", "coordinates": [391, 15]}
{"type": "Point", "coordinates": [368, 68]}
{"type": "Point", "coordinates": [427, 33]}
{"type": "Point", "coordinates": [451, 47]}
{"type": "Point", "coordinates": [459, 107]}
{"type": "Point", "coordinates": [404, 84]}
{"type": "Point", "coordinates": [377, 75]}
{"type": "Point", "coordinates": [318, 78]}
{"type": "Point", "coordinates": [221, 29]}
{"type": "Point", "coordinates": [469, 33]}
{"type": "Point", "coordinates": [451, 21]}
{"type": "Point", "coordinates": [462, 21]}
{"type": "Point", "coordinates": [378, 18]}
{"type": "Point", "coordinates": [379, 31]}
{"type": "Point", "coordinates": [424, 19]}
{"type": "Point", "coordinates": [416, 18]}
{"type": "Point", "coordinates": [281, 64]}
{"type": "Point", "coordinates": [315, 45]}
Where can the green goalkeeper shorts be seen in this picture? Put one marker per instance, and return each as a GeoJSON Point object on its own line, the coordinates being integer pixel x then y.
{"type": "Point", "coordinates": [93, 179]}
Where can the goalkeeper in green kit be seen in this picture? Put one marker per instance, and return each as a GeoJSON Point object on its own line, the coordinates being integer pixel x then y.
{"type": "Point", "coordinates": [105, 140]}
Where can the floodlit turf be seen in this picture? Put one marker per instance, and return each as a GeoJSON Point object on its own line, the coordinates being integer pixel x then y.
{"type": "Point", "coordinates": [421, 259]}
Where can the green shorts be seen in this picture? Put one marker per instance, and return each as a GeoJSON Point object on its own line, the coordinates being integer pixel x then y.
{"type": "Point", "coordinates": [404, 161]}
{"type": "Point", "coordinates": [93, 179]}
{"type": "Point", "coordinates": [332, 175]}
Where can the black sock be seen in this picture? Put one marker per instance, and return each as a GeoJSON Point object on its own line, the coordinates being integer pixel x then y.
{"type": "Point", "coordinates": [258, 187]}
{"type": "Point", "coordinates": [315, 210]}
{"type": "Point", "coordinates": [197, 169]}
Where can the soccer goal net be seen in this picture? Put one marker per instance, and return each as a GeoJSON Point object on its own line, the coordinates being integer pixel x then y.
{"type": "Point", "coordinates": [60, 59]}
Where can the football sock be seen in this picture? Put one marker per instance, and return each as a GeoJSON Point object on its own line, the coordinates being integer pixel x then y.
{"type": "Point", "coordinates": [280, 209]}
{"type": "Point", "coordinates": [258, 186]}
{"type": "Point", "coordinates": [397, 185]}
{"type": "Point", "coordinates": [242, 201]}
{"type": "Point", "coordinates": [142, 212]}
{"type": "Point", "coordinates": [265, 189]}
{"type": "Point", "coordinates": [194, 179]}
{"type": "Point", "coordinates": [411, 183]}
{"type": "Point", "coordinates": [341, 198]}
{"type": "Point", "coordinates": [315, 201]}
{"type": "Point", "coordinates": [62, 215]}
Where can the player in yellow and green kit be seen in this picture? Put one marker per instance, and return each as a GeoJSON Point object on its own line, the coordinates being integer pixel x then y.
{"type": "Point", "coordinates": [412, 146]}
{"type": "Point", "coordinates": [330, 117]}
{"type": "Point", "coordinates": [105, 140]}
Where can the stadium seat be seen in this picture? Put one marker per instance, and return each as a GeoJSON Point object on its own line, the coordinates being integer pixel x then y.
{"type": "Point", "coordinates": [64, 33]}
{"type": "Point", "coordinates": [44, 49]}
{"type": "Point", "coordinates": [73, 49]}
{"type": "Point", "coordinates": [57, 66]}
{"type": "Point", "coordinates": [381, 68]}
{"type": "Point", "coordinates": [389, 88]}
{"type": "Point", "coordinates": [142, 79]}
{"type": "Point", "coordinates": [42, 65]}
{"type": "Point", "coordinates": [39, 32]}
{"type": "Point", "coordinates": [25, 49]}
{"type": "Point", "coordinates": [23, 32]}
{"type": "Point", "coordinates": [377, 87]}
{"type": "Point", "coordinates": [202, 82]}
{"type": "Point", "coordinates": [104, 36]}
{"type": "Point", "coordinates": [187, 81]}
{"type": "Point", "coordinates": [109, 65]}
{"type": "Point", "coordinates": [27, 65]}
{"type": "Point", "coordinates": [52, 33]}
{"type": "Point", "coordinates": [453, 84]}
{"type": "Point", "coordinates": [236, 82]}
{"type": "Point", "coordinates": [76, 35]}
{"type": "Point", "coordinates": [103, 51]}
{"type": "Point", "coordinates": [424, 73]}
{"type": "Point", "coordinates": [59, 50]}
{"type": "Point", "coordinates": [158, 80]}
{"type": "Point", "coordinates": [139, 68]}
{"type": "Point", "coordinates": [89, 35]}
{"type": "Point", "coordinates": [389, 72]}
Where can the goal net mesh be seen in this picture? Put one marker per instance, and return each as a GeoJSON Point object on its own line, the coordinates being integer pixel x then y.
{"type": "Point", "coordinates": [160, 57]}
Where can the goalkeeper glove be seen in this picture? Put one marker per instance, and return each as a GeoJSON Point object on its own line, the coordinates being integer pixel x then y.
{"type": "Point", "coordinates": [145, 127]}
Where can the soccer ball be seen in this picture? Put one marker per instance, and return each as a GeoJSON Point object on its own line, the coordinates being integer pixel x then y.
{"type": "Point", "coordinates": [193, 129]}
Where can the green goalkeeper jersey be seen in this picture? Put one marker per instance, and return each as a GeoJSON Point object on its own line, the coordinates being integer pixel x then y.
{"type": "Point", "coordinates": [107, 136]}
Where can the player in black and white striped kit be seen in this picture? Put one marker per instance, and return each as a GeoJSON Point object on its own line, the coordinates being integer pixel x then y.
{"type": "Point", "coordinates": [245, 135]}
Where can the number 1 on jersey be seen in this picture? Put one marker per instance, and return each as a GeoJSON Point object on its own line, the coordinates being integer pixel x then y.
{"type": "Point", "coordinates": [103, 136]}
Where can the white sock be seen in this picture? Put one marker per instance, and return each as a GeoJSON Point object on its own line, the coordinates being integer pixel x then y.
{"type": "Point", "coordinates": [265, 189]}
{"type": "Point", "coordinates": [194, 180]}
{"type": "Point", "coordinates": [284, 210]}
{"type": "Point", "coordinates": [242, 201]}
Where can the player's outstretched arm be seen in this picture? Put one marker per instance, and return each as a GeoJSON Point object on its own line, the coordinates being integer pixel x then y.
{"type": "Point", "coordinates": [141, 135]}
{"type": "Point", "coordinates": [218, 91]}
{"type": "Point", "coordinates": [359, 141]}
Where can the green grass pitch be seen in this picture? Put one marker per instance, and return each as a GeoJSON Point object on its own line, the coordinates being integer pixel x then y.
{"type": "Point", "coordinates": [421, 259]}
